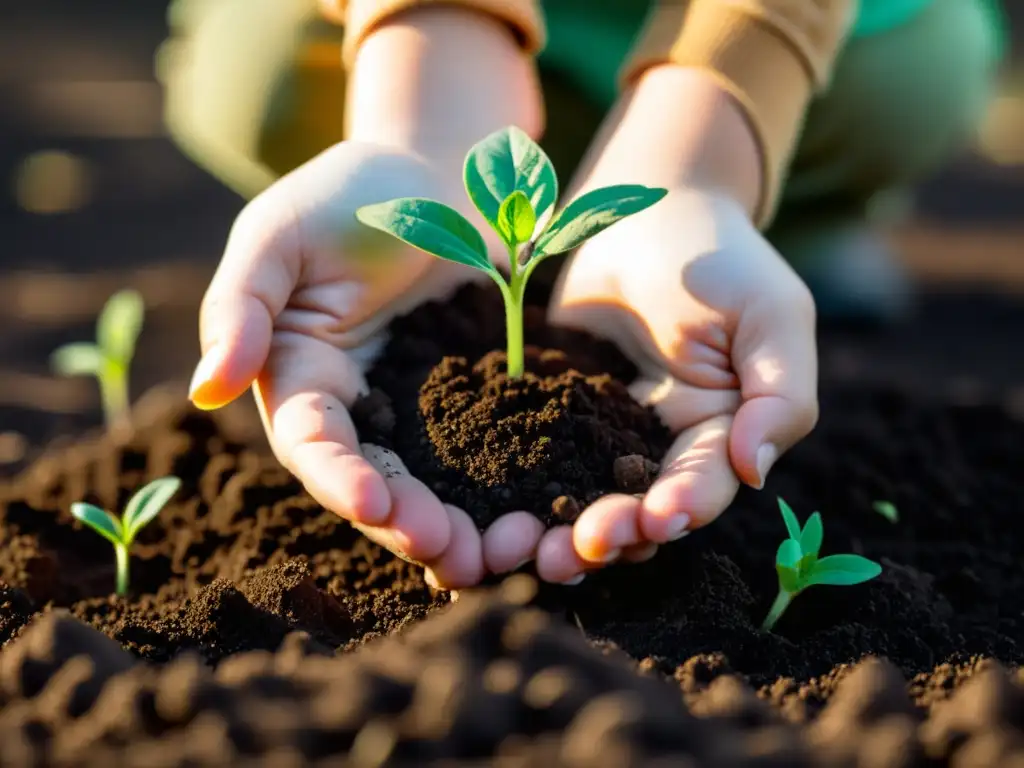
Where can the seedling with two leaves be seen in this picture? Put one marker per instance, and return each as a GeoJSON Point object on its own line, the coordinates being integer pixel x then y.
{"type": "Point", "coordinates": [110, 357]}
{"type": "Point", "coordinates": [798, 566]}
{"type": "Point", "coordinates": [142, 508]}
{"type": "Point", "coordinates": [511, 181]}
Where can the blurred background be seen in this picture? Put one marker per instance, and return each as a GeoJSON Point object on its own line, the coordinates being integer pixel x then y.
{"type": "Point", "coordinates": [93, 197]}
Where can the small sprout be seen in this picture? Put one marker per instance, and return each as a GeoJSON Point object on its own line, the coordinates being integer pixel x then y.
{"type": "Point", "coordinates": [887, 510]}
{"type": "Point", "coordinates": [110, 357]}
{"type": "Point", "coordinates": [511, 181]}
{"type": "Point", "coordinates": [142, 508]}
{"type": "Point", "coordinates": [798, 566]}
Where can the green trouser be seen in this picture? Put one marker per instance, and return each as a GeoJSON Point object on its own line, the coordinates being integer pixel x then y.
{"type": "Point", "coordinates": [254, 88]}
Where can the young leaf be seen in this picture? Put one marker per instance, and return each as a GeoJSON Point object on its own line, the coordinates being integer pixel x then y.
{"type": "Point", "coordinates": [146, 504]}
{"type": "Point", "coordinates": [506, 161]}
{"type": "Point", "coordinates": [788, 554]}
{"type": "Point", "coordinates": [516, 219]}
{"type": "Point", "coordinates": [843, 570]}
{"type": "Point", "coordinates": [790, 519]}
{"type": "Point", "coordinates": [77, 359]}
{"type": "Point", "coordinates": [101, 521]}
{"type": "Point", "coordinates": [431, 227]}
{"type": "Point", "coordinates": [887, 510]}
{"type": "Point", "coordinates": [119, 325]}
{"type": "Point", "coordinates": [594, 212]}
{"type": "Point", "coordinates": [812, 535]}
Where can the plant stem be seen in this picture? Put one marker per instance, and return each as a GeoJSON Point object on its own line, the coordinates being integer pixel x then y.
{"type": "Point", "coordinates": [782, 601]}
{"type": "Point", "coordinates": [114, 394]}
{"type": "Point", "coordinates": [515, 357]}
{"type": "Point", "coordinates": [121, 554]}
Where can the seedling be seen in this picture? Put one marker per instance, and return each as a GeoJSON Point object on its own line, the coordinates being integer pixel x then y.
{"type": "Point", "coordinates": [798, 566]}
{"type": "Point", "coordinates": [513, 184]}
{"type": "Point", "coordinates": [887, 510]}
{"type": "Point", "coordinates": [110, 357]}
{"type": "Point", "coordinates": [142, 508]}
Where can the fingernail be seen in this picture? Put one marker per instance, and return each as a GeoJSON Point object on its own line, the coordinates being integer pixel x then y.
{"type": "Point", "coordinates": [201, 388]}
{"type": "Point", "coordinates": [519, 565]}
{"type": "Point", "coordinates": [766, 456]}
{"type": "Point", "coordinates": [612, 556]}
{"type": "Point", "coordinates": [677, 527]}
{"type": "Point", "coordinates": [431, 579]}
{"type": "Point", "coordinates": [574, 580]}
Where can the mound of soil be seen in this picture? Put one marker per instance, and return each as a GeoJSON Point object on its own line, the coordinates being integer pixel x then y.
{"type": "Point", "coordinates": [245, 639]}
{"type": "Point", "coordinates": [549, 443]}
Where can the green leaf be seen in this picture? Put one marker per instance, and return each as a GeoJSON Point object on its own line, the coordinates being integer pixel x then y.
{"type": "Point", "coordinates": [843, 570]}
{"type": "Point", "coordinates": [789, 579]}
{"type": "Point", "coordinates": [119, 325]}
{"type": "Point", "coordinates": [78, 359]}
{"type": "Point", "coordinates": [516, 219]}
{"type": "Point", "coordinates": [146, 504]}
{"type": "Point", "coordinates": [101, 521]}
{"type": "Point", "coordinates": [812, 535]}
{"type": "Point", "coordinates": [594, 212]}
{"type": "Point", "coordinates": [788, 554]}
{"type": "Point", "coordinates": [887, 510]}
{"type": "Point", "coordinates": [792, 524]}
{"type": "Point", "coordinates": [506, 161]}
{"type": "Point", "coordinates": [431, 227]}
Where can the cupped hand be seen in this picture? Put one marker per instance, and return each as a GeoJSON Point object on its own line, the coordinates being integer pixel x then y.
{"type": "Point", "coordinates": [297, 310]}
{"type": "Point", "coordinates": [722, 332]}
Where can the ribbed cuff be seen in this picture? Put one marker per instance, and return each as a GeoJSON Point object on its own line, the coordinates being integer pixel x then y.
{"type": "Point", "coordinates": [771, 56]}
{"type": "Point", "coordinates": [361, 17]}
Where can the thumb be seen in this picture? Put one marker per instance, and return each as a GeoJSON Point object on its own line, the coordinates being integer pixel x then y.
{"type": "Point", "coordinates": [775, 357]}
{"type": "Point", "coordinates": [252, 285]}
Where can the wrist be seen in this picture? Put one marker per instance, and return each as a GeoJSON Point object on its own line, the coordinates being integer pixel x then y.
{"type": "Point", "coordinates": [676, 128]}
{"type": "Point", "coordinates": [411, 86]}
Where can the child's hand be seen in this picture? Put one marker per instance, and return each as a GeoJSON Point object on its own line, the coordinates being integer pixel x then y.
{"type": "Point", "coordinates": [723, 332]}
{"type": "Point", "coordinates": [294, 311]}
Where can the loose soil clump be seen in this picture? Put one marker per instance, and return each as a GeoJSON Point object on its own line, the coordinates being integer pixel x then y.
{"type": "Point", "coordinates": [549, 443]}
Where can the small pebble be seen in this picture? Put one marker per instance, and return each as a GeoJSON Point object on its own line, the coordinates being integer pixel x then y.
{"type": "Point", "coordinates": [634, 473]}
{"type": "Point", "coordinates": [566, 509]}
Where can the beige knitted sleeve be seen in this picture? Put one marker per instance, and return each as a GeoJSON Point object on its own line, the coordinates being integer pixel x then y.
{"type": "Point", "coordinates": [773, 56]}
{"type": "Point", "coordinates": [360, 17]}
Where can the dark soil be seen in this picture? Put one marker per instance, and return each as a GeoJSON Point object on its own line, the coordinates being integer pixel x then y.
{"type": "Point", "coordinates": [245, 639]}
{"type": "Point", "coordinates": [547, 443]}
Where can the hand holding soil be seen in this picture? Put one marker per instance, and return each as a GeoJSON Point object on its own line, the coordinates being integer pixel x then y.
{"type": "Point", "coordinates": [722, 332]}
{"type": "Point", "coordinates": [296, 309]}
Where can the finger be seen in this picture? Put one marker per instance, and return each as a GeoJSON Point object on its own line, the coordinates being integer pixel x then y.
{"type": "Point", "coordinates": [462, 562]}
{"type": "Point", "coordinates": [641, 553]}
{"type": "Point", "coordinates": [776, 359]}
{"type": "Point", "coordinates": [696, 484]}
{"type": "Point", "coordinates": [606, 527]}
{"type": "Point", "coordinates": [681, 405]}
{"type": "Point", "coordinates": [301, 394]}
{"type": "Point", "coordinates": [252, 285]}
{"type": "Point", "coordinates": [557, 560]}
{"type": "Point", "coordinates": [418, 526]}
{"type": "Point", "coordinates": [511, 541]}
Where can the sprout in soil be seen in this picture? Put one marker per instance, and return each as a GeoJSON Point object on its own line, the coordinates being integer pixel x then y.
{"type": "Point", "coordinates": [512, 183]}
{"type": "Point", "coordinates": [887, 510]}
{"type": "Point", "coordinates": [798, 566]}
{"type": "Point", "coordinates": [142, 508]}
{"type": "Point", "coordinates": [109, 359]}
